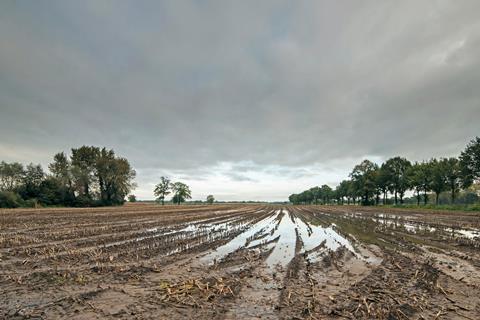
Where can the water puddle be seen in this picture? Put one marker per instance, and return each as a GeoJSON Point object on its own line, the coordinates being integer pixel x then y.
{"type": "Point", "coordinates": [284, 250]}
{"type": "Point", "coordinates": [198, 227]}
{"type": "Point", "coordinates": [463, 233]}
{"type": "Point", "coordinates": [279, 231]}
{"type": "Point", "coordinates": [313, 235]}
{"type": "Point", "coordinates": [406, 225]}
{"type": "Point", "coordinates": [399, 222]}
{"type": "Point", "coordinates": [240, 240]}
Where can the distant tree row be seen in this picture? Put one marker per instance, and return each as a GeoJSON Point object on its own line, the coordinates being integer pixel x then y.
{"type": "Point", "coordinates": [371, 184]}
{"type": "Point", "coordinates": [90, 176]}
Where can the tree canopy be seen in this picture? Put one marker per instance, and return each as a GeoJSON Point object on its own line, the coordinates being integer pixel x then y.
{"type": "Point", "coordinates": [181, 192]}
{"type": "Point", "coordinates": [210, 199]}
{"type": "Point", "coordinates": [369, 182]}
{"type": "Point", "coordinates": [470, 163]}
{"type": "Point", "coordinates": [162, 189]}
{"type": "Point", "coordinates": [89, 177]}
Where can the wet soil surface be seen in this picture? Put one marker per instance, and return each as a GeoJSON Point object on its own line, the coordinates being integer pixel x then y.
{"type": "Point", "coordinates": [239, 262]}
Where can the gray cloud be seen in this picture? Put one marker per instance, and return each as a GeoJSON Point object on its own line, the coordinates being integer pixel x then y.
{"type": "Point", "coordinates": [273, 88]}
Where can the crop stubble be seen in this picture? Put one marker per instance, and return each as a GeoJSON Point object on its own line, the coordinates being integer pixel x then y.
{"type": "Point", "coordinates": [239, 262]}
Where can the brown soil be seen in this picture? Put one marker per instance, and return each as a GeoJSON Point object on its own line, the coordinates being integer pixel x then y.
{"type": "Point", "coordinates": [146, 261]}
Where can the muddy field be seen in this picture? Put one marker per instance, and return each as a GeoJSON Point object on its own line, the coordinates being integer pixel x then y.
{"type": "Point", "coordinates": [239, 262]}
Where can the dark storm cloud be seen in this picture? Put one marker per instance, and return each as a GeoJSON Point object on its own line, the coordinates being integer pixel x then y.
{"type": "Point", "coordinates": [274, 88]}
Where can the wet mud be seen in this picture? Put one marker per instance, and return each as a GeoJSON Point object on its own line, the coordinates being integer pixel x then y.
{"type": "Point", "coordinates": [239, 262]}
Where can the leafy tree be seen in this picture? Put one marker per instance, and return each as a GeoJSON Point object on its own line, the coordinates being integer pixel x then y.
{"type": "Point", "coordinates": [132, 198]}
{"type": "Point", "coordinates": [10, 199]}
{"type": "Point", "coordinates": [353, 191]}
{"type": "Point", "coordinates": [363, 179]}
{"type": "Point", "coordinates": [415, 180]}
{"type": "Point", "coordinates": [210, 199]}
{"type": "Point", "coordinates": [162, 189]}
{"type": "Point", "coordinates": [294, 198]}
{"type": "Point", "coordinates": [301, 198]}
{"type": "Point", "coordinates": [397, 175]}
{"type": "Point", "coordinates": [51, 192]}
{"type": "Point", "coordinates": [181, 192]}
{"type": "Point", "coordinates": [377, 188]}
{"type": "Point", "coordinates": [326, 193]}
{"type": "Point", "coordinates": [115, 177]}
{"type": "Point", "coordinates": [453, 175]}
{"type": "Point", "coordinates": [342, 190]}
{"type": "Point", "coordinates": [34, 174]}
{"type": "Point", "coordinates": [382, 181]}
{"type": "Point", "coordinates": [420, 176]}
{"type": "Point", "coordinates": [306, 196]}
{"type": "Point", "coordinates": [105, 173]}
{"type": "Point", "coordinates": [439, 180]}
{"type": "Point", "coordinates": [83, 162]}
{"type": "Point", "coordinates": [337, 196]}
{"type": "Point", "coordinates": [32, 178]}
{"type": "Point", "coordinates": [62, 171]}
{"type": "Point", "coordinates": [11, 175]}
{"type": "Point", "coordinates": [123, 181]}
{"type": "Point", "coordinates": [316, 193]}
{"type": "Point", "coordinates": [470, 163]}
{"type": "Point", "coordinates": [92, 176]}
{"type": "Point", "coordinates": [396, 170]}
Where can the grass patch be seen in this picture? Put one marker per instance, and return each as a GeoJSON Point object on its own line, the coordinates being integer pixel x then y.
{"type": "Point", "coordinates": [362, 229]}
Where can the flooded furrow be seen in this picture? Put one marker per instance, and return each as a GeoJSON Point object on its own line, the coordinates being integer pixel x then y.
{"type": "Point", "coordinates": [238, 262]}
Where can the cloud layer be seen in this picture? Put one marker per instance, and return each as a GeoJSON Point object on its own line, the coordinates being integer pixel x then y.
{"type": "Point", "coordinates": [244, 99]}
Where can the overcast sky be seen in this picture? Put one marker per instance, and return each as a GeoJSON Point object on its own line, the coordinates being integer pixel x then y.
{"type": "Point", "coordinates": [240, 99]}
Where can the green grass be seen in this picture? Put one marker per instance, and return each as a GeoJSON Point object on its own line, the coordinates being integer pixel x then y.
{"type": "Point", "coordinates": [362, 230]}
{"type": "Point", "coordinates": [455, 207]}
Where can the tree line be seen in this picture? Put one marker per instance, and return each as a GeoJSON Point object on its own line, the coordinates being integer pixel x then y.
{"type": "Point", "coordinates": [89, 176]}
{"type": "Point", "coordinates": [372, 184]}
